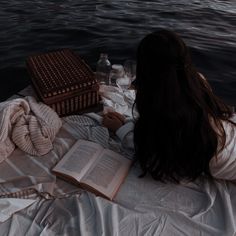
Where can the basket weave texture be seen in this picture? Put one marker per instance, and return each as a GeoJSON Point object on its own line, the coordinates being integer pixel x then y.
{"type": "Point", "coordinates": [63, 81]}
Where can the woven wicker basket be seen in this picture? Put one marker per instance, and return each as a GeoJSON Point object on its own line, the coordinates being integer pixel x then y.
{"type": "Point", "coordinates": [64, 81]}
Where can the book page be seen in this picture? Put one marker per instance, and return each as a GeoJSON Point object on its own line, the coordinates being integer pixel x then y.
{"type": "Point", "coordinates": [79, 158]}
{"type": "Point", "coordinates": [107, 174]}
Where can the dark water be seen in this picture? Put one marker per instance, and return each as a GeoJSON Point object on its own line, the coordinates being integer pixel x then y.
{"type": "Point", "coordinates": [116, 26]}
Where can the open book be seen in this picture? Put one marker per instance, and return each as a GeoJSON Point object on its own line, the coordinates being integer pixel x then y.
{"type": "Point", "coordinates": [94, 168]}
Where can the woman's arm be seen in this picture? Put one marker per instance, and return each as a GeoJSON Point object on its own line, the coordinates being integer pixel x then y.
{"type": "Point", "coordinates": [126, 134]}
{"type": "Point", "coordinates": [123, 129]}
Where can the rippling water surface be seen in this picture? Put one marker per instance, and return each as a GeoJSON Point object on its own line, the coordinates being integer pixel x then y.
{"type": "Point", "coordinates": [116, 26]}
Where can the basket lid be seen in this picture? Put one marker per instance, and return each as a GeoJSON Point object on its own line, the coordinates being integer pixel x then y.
{"type": "Point", "coordinates": [59, 72]}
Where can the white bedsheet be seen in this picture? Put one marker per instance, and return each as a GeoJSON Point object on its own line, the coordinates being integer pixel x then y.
{"type": "Point", "coordinates": [142, 206]}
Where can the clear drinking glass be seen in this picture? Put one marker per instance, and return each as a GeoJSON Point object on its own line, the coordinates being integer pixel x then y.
{"type": "Point", "coordinates": [117, 71]}
{"type": "Point", "coordinates": [130, 69]}
{"type": "Point", "coordinates": [123, 82]}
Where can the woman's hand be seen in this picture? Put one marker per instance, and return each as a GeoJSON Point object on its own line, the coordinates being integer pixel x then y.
{"type": "Point", "coordinates": [113, 121]}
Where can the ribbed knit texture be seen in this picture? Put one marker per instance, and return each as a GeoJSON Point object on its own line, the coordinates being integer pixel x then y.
{"type": "Point", "coordinates": [28, 124]}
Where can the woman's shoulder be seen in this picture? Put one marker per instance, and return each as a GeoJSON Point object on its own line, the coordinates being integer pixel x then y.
{"type": "Point", "coordinates": [224, 164]}
{"type": "Point", "coordinates": [230, 128]}
{"type": "Point", "coordinates": [230, 124]}
{"type": "Point", "coordinates": [233, 118]}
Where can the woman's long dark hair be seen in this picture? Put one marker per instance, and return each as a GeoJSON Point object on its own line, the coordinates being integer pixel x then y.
{"type": "Point", "coordinates": [179, 128]}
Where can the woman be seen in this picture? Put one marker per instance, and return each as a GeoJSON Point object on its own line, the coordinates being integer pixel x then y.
{"type": "Point", "coordinates": [183, 130]}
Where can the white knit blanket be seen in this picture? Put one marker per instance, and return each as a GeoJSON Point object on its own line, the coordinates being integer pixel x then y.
{"type": "Point", "coordinates": [27, 124]}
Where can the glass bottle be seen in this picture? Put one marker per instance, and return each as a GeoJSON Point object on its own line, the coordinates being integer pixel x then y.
{"type": "Point", "coordinates": [103, 69]}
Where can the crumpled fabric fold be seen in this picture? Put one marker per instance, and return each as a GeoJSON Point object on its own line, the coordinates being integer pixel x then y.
{"type": "Point", "coordinates": [114, 99]}
{"type": "Point", "coordinates": [27, 124]}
